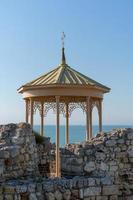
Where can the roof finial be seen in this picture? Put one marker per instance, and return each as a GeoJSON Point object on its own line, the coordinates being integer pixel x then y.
{"type": "Point", "coordinates": [63, 53]}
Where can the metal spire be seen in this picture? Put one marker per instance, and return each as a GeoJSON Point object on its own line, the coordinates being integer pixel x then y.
{"type": "Point", "coordinates": [63, 52]}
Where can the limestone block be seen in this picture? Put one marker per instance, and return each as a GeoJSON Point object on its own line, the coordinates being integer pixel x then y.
{"type": "Point", "coordinates": [114, 197]}
{"type": "Point", "coordinates": [9, 189]}
{"type": "Point", "coordinates": [58, 195]}
{"type": "Point", "coordinates": [121, 141]}
{"type": "Point", "coordinates": [89, 152]}
{"type": "Point", "coordinates": [75, 194]}
{"type": "Point", "coordinates": [1, 189]}
{"type": "Point", "coordinates": [103, 166]}
{"type": "Point", "coordinates": [106, 180]}
{"type": "Point", "coordinates": [8, 197]}
{"type": "Point", "coordinates": [67, 195]}
{"type": "Point", "coordinates": [18, 140]}
{"type": "Point", "coordinates": [49, 187]}
{"type": "Point", "coordinates": [81, 193]}
{"type": "Point", "coordinates": [76, 169]}
{"type": "Point", "coordinates": [1, 169]}
{"type": "Point", "coordinates": [110, 190]}
{"type": "Point", "coordinates": [130, 152]}
{"type": "Point", "coordinates": [31, 187]}
{"type": "Point", "coordinates": [129, 197]}
{"type": "Point", "coordinates": [90, 166]}
{"type": "Point", "coordinates": [50, 196]}
{"type": "Point", "coordinates": [32, 196]}
{"type": "Point", "coordinates": [1, 197]}
{"type": "Point", "coordinates": [21, 188]}
{"type": "Point", "coordinates": [110, 143]}
{"type": "Point", "coordinates": [113, 168]}
{"type": "Point", "coordinates": [91, 181]}
{"type": "Point", "coordinates": [101, 198]}
{"type": "Point", "coordinates": [89, 198]}
{"type": "Point", "coordinates": [130, 135]}
{"type": "Point", "coordinates": [92, 191]}
{"type": "Point", "coordinates": [4, 154]}
{"type": "Point", "coordinates": [100, 156]}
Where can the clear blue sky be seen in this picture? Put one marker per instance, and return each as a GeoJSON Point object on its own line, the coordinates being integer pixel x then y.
{"type": "Point", "coordinates": [99, 43]}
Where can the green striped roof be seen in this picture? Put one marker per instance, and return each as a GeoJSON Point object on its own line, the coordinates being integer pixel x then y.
{"type": "Point", "coordinates": [65, 75]}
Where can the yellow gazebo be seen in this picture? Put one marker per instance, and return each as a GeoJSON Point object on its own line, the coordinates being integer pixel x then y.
{"type": "Point", "coordinates": [63, 89]}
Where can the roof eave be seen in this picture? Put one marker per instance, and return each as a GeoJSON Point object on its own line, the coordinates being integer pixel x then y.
{"type": "Point", "coordinates": [25, 87]}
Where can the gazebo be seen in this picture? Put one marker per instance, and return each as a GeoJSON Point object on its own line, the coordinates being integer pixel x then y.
{"type": "Point", "coordinates": [63, 90]}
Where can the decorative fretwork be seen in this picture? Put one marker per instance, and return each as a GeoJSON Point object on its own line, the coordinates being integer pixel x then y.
{"type": "Point", "coordinates": [28, 105]}
{"type": "Point", "coordinates": [62, 107]}
{"type": "Point", "coordinates": [73, 106]}
{"type": "Point", "coordinates": [96, 102]}
{"type": "Point", "coordinates": [48, 106]}
{"type": "Point", "coordinates": [36, 106]}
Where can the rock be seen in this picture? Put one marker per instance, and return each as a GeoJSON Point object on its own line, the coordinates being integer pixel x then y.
{"type": "Point", "coordinates": [91, 181]}
{"type": "Point", "coordinates": [103, 166]}
{"type": "Point", "coordinates": [100, 156]}
{"type": "Point", "coordinates": [8, 197]}
{"type": "Point", "coordinates": [130, 152]}
{"type": "Point", "coordinates": [90, 166]}
{"type": "Point", "coordinates": [50, 196]}
{"type": "Point", "coordinates": [58, 195]}
{"type": "Point", "coordinates": [32, 196]}
{"type": "Point", "coordinates": [106, 181]}
{"type": "Point", "coordinates": [76, 168]}
{"type": "Point", "coordinates": [1, 169]}
{"type": "Point", "coordinates": [130, 135]}
{"type": "Point", "coordinates": [81, 194]}
{"type": "Point", "coordinates": [110, 143]}
{"type": "Point", "coordinates": [92, 191]}
{"type": "Point", "coordinates": [31, 187]}
{"type": "Point", "coordinates": [67, 195]}
{"type": "Point", "coordinates": [110, 190]}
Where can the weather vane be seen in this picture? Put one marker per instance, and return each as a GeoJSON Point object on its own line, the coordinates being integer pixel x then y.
{"type": "Point", "coordinates": [63, 39]}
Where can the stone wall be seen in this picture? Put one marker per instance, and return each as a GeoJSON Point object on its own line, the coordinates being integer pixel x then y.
{"type": "Point", "coordinates": [18, 151]}
{"type": "Point", "coordinates": [61, 189]}
{"type": "Point", "coordinates": [108, 156]}
{"type": "Point", "coordinates": [101, 169]}
{"type": "Point", "coordinates": [44, 157]}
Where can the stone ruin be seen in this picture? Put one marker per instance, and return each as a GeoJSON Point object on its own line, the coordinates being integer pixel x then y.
{"type": "Point", "coordinates": [100, 169]}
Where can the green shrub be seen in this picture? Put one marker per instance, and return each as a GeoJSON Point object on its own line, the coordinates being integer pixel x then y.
{"type": "Point", "coordinates": [39, 139]}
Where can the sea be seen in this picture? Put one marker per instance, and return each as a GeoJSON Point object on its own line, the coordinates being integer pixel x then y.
{"type": "Point", "coordinates": [76, 132]}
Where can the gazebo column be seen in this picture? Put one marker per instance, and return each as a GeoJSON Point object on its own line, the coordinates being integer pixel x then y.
{"type": "Point", "coordinates": [88, 118]}
{"type": "Point", "coordinates": [26, 110]}
{"type": "Point", "coordinates": [42, 119]}
{"type": "Point", "coordinates": [58, 174]}
{"type": "Point", "coordinates": [90, 123]}
{"type": "Point", "coordinates": [100, 115]}
{"type": "Point", "coordinates": [31, 112]}
{"type": "Point", "coordinates": [67, 124]}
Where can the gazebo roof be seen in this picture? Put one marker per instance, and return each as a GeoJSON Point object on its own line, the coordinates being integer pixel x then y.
{"type": "Point", "coordinates": [64, 75]}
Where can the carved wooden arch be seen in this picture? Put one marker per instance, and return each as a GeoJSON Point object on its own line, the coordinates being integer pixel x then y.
{"type": "Point", "coordinates": [52, 105]}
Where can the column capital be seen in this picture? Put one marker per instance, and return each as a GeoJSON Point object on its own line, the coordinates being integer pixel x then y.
{"type": "Point", "coordinates": [101, 99]}
{"type": "Point", "coordinates": [57, 98]}
{"type": "Point", "coordinates": [42, 102]}
{"type": "Point", "coordinates": [88, 97]}
{"type": "Point", "coordinates": [31, 99]}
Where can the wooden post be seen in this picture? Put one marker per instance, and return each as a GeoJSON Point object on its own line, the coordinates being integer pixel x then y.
{"type": "Point", "coordinates": [31, 112]}
{"type": "Point", "coordinates": [57, 138]}
{"type": "Point", "coordinates": [67, 124]}
{"type": "Point", "coordinates": [26, 110]}
{"type": "Point", "coordinates": [42, 119]}
{"type": "Point", "coordinates": [90, 123]}
{"type": "Point", "coordinates": [87, 118]}
{"type": "Point", "coordinates": [100, 115]}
